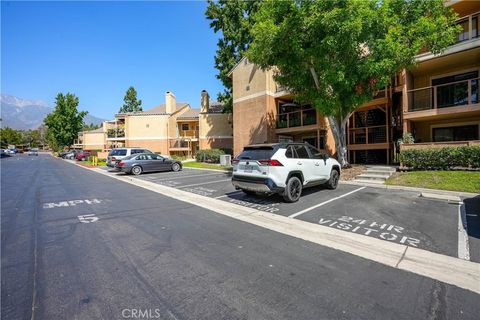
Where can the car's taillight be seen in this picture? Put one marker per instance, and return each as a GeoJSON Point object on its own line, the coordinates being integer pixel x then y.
{"type": "Point", "coordinates": [113, 159]}
{"type": "Point", "coordinates": [235, 161]}
{"type": "Point", "coordinates": [272, 163]}
{"type": "Point", "coordinates": [121, 164]}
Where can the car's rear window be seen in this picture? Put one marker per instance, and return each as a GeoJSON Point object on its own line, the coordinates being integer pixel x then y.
{"type": "Point", "coordinates": [118, 152]}
{"type": "Point", "coordinates": [260, 153]}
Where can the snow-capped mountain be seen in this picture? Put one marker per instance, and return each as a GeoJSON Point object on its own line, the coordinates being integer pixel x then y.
{"type": "Point", "coordinates": [22, 114]}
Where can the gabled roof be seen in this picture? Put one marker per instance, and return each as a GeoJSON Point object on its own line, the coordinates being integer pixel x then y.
{"type": "Point", "coordinates": [190, 114]}
{"type": "Point", "coordinates": [229, 74]}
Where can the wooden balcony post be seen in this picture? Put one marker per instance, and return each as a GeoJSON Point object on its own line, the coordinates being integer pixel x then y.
{"type": "Point", "coordinates": [469, 100]}
{"type": "Point", "coordinates": [301, 117]}
{"type": "Point", "coordinates": [434, 106]}
{"type": "Point", "coordinates": [366, 135]}
{"type": "Point", "coordinates": [288, 120]}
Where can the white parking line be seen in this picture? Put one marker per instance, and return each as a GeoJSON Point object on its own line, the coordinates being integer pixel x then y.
{"type": "Point", "coordinates": [324, 203]}
{"type": "Point", "coordinates": [201, 184]}
{"type": "Point", "coordinates": [463, 245]}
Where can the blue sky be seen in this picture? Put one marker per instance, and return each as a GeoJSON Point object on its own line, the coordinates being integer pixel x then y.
{"type": "Point", "coordinates": [98, 49]}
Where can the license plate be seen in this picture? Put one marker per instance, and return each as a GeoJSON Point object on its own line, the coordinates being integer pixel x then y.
{"type": "Point", "coordinates": [248, 168]}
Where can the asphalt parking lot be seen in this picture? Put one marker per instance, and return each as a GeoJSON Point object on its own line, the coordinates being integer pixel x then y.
{"type": "Point", "coordinates": [390, 215]}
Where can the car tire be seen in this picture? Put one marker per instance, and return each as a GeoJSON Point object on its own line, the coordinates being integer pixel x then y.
{"type": "Point", "coordinates": [249, 192]}
{"type": "Point", "coordinates": [176, 167]}
{"type": "Point", "coordinates": [293, 190]}
{"type": "Point", "coordinates": [332, 183]}
{"type": "Point", "coordinates": [137, 170]}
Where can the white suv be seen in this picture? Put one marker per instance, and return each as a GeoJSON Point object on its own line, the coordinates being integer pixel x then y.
{"type": "Point", "coordinates": [284, 168]}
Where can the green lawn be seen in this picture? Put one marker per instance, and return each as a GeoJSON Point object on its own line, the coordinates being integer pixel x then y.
{"type": "Point", "coordinates": [203, 165]}
{"type": "Point", "coordinates": [466, 181]}
{"type": "Point", "coordinates": [100, 163]}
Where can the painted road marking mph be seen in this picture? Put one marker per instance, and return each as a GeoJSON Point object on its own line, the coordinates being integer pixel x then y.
{"type": "Point", "coordinates": [88, 218]}
{"type": "Point", "coordinates": [383, 231]}
{"type": "Point", "coordinates": [70, 203]}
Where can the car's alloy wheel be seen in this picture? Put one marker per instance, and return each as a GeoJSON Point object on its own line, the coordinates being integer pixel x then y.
{"type": "Point", "coordinates": [136, 170]}
{"type": "Point", "coordinates": [175, 167]}
{"type": "Point", "coordinates": [333, 181]}
{"type": "Point", "coordinates": [293, 190]}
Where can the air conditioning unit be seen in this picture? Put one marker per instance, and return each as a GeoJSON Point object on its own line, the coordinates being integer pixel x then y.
{"type": "Point", "coordinates": [226, 160]}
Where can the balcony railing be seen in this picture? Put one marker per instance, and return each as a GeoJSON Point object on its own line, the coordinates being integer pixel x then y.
{"type": "Point", "coordinates": [179, 144]}
{"type": "Point", "coordinates": [459, 93]}
{"type": "Point", "coordinates": [116, 133]}
{"type": "Point", "coordinates": [296, 119]}
{"type": "Point", "coordinates": [368, 135]}
{"type": "Point", "coordinates": [188, 133]}
{"type": "Point", "coordinates": [470, 25]}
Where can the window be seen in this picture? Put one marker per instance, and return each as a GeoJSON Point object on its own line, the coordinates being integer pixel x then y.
{"type": "Point", "coordinates": [316, 154]}
{"type": "Point", "coordinates": [256, 153]}
{"type": "Point", "coordinates": [118, 152]}
{"type": "Point", "coordinates": [290, 153]}
{"type": "Point", "coordinates": [135, 151]}
{"type": "Point", "coordinates": [301, 152]}
{"type": "Point", "coordinates": [185, 126]}
{"type": "Point", "coordinates": [141, 157]}
{"type": "Point", "coordinates": [460, 133]}
{"type": "Point", "coordinates": [463, 35]}
{"type": "Point", "coordinates": [453, 90]}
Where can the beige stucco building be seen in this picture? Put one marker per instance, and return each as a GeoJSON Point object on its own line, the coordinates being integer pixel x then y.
{"type": "Point", "coordinates": [172, 128]}
{"type": "Point", "coordinates": [437, 102]}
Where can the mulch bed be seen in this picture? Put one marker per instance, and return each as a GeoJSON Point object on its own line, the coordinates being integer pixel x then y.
{"type": "Point", "coordinates": [351, 173]}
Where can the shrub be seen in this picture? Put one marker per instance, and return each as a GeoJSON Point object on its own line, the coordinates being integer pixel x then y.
{"type": "Point", "coordinates": [211, 155]}
{"type": "Point", "coordinates": [441, 158]}
{"type": "Point", "coordinates": [177, 157]}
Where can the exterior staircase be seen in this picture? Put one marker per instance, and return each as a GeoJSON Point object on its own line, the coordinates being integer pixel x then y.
{"type": "Point", "coordinates": [375, 174]}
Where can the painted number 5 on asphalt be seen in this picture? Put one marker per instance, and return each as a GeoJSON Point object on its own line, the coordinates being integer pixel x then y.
{"type": "Point", "coordinates": [87, 218]}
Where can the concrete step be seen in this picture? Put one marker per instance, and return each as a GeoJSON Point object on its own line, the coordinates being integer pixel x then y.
{"type": "Point", "coordinates": [368, 181]}
{"type": "Point", "coordinates": [375, 167]}
{"type": "Point", "coordinates": [380, 172]}
{"type": "Point", "coordinates": [368, 175]}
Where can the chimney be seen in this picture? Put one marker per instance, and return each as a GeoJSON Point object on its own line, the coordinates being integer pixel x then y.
{"type": "Point", "coordinates": [170, 102]}
{"type": "Point", "coordinates": [205, 104]}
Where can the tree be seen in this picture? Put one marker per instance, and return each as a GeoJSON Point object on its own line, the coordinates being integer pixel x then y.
{"type": "Point", "coordinates": [233, 19]}
{"type": "Point", "coordinates": [31, 138]}
{"type": "Point", "coordinates": [336, 54]}
{"type": "Point", "coordinates": [64, 122]}
{"type": "Point", "coordinates": [10, 136]}
{"type": "Point", "coordinates": [131, 103]}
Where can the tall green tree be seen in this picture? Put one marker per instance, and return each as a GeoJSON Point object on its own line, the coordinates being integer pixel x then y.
{"type": "Point", "coordinates": [10, 136]}
{"type": "Point", "coordinates": [31, 138]}
{"type": "Point", "coordinates": [336, 54]}
{"type": "Point", "coordinates": [233, 19]}
{"type": "Point", "coordinates": [131, 104]}
{"type": "Point", "coordinates": [65, 121]}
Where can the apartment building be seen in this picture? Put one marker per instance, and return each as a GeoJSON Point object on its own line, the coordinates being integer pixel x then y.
{"type": "Point", "coordinates": [172, 128]}
{"type": "Point", "coordinates": [91, 140]}
{"type": "Point", "coordinates": [437, 102]}
{"type": "Point", "coordinates": [264, 112]}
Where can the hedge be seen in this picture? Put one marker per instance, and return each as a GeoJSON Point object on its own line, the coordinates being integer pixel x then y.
{"type": "Point", "coordinates": [211, 155]}
{"type": "Point", "coordinates": [441, 158]}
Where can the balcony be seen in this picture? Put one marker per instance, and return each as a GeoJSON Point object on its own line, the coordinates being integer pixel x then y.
{"type": "Point", "coordinates": [179, 144]}
{"type": "Point", "coordinates": [368, 135]}
{"type": "Point", "coordinates": [296, 119]}
{"type": "Point", "coordinates": [469, 26]}
{"type": "Point", "coordinates": [454, 94]}
{"type": "Point", "coordinates": [188, 134]}
{"type": "Point", "coordinates": [118, 133]}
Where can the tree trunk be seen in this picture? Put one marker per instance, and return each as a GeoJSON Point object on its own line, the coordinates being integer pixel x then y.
{"type": "Point", "coordinates": [338, 127]}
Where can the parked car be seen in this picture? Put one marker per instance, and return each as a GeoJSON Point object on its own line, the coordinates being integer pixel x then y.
{"type": "Point", "coordinates": [3, 153]}
{"type": "Point", "coordinates": [82, 155]}
{"type": "Point", "coordinates": [11, 151]}
{"type": "Point", "coordinates": [283, 168]}
{"type": "Point", "coordinates": [147, 162]}
{"type": "Point", "coordinates": [118, 154]}
{"type": "Point", "coordinates": [33, 152]}
{"type": "Point", "coordinates": [63, 154]}
{"type": "Point", "coordinates": [71, 154]}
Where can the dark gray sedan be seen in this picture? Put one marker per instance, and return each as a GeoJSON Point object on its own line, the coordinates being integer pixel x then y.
{"type": "Point", "coordinates": [147, 162]}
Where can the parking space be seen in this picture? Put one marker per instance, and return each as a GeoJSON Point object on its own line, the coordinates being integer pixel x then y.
{"type": "Point", "coordinates": [391, 215]}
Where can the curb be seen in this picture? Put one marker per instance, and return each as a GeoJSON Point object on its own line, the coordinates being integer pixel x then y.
{"type": "Point", "coordinates": [431, 191]}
